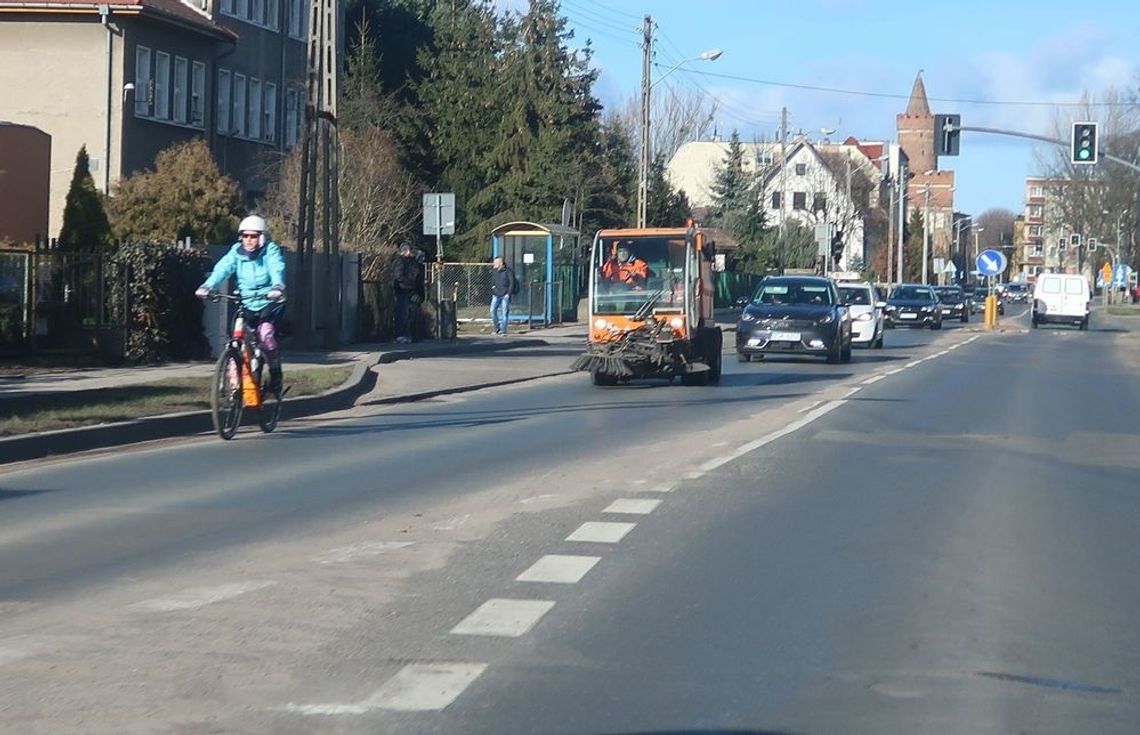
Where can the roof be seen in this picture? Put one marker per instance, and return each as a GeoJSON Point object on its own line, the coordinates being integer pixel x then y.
{"type": "Point", "coordinates": [533, 228]}
{"type": "Point", "coordinates": [178, 12]}
{"type": "Point", "coordinates": [918, 104]}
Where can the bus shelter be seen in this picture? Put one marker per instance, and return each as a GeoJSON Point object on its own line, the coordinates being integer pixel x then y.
{"type": "Point", "coordinates": [545, 259]}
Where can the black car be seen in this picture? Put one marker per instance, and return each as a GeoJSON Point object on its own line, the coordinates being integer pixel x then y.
{"type": "Point", "coordinates": [794, 315]}
{"type": "Point", "coordinates": [978, 299]}
{"type": "Point", "coordinates": [914, 305]}
{"type": "Point", "coordinates": [955, 305]}
{"type": "Point", "coordinates": [1016, 293]}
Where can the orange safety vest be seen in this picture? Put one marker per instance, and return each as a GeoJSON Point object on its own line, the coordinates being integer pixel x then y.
{"type": "Point", "coordinates": [632, 272]}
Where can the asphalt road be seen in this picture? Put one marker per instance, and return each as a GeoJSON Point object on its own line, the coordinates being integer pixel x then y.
{"type": "Point", "coordinates": [936, 538]}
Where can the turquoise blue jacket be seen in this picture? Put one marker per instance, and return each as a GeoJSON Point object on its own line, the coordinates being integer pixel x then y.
{"type": "Point", "coordinates": [256, 272]}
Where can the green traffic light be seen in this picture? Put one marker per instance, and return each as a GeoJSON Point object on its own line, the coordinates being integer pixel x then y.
{"type": "Point", "coordinates": [1084, 153]}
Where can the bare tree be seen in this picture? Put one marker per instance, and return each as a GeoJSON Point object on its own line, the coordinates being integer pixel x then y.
{"type": "Point", "coordinates": [994, 228]}
{"type": "Point", "coordinates": [379, 198]}
{"type": "Point", "coordinates": [678, 115]}
{"type": "Point", "coordinates": [1101, 201]}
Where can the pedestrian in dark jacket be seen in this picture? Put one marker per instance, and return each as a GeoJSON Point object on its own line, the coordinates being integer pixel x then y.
{"type": "Point", "coordinates": [408, 285]}
{"type": "Point", "coordinates": [503, 284]}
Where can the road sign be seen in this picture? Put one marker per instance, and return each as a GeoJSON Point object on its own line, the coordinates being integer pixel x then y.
{"type": "Point", "coordinates": [950, 268]}
{"type": "Point", "coordinates": [1121, 275]}
{"type": "Point", "coordinates": [823, 239]}
{"type": "Point", "coordinates": [1106, 273]}
{"type": "Point", "coordinates": [991, 262]}
{"type": "Point", "coordinates": [439, 213]}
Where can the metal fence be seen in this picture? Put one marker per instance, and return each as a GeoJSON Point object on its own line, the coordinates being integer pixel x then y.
{"type": "Point", "coordinates": [538, 302]}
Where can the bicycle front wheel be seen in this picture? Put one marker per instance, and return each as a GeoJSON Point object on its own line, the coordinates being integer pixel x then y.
{"type": "Point", "coordinates": [225, 395]}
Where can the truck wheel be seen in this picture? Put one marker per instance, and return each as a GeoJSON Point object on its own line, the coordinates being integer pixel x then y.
{"type": "Point", "coordinates": [600, 378]}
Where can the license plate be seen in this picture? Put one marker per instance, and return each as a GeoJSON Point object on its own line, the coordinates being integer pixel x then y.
{"type": "Point", "coordinates": [908, 316]}
{"type": "Point", "coordinates": [785, 336]}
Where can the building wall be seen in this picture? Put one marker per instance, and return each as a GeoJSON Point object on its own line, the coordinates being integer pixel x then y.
{"type": "Point", "coordinates": [25, 163]}
{"type": "Point", "coordinates": [62, 93]}
{"type": "Point", "coordinates": [916, 138]}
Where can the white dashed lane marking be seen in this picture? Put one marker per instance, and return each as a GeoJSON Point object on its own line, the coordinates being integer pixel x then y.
{"type": "Point", "coordinates": [632, 506]}
{"type": "Point", "coordinates": [504, 618]}
{"type": "Point", "coordinates": [872, 381]}
{"type": "Point", "coordinates": [601, 532]}
{"type": "Point", "coordinates": [559, 569]}
{"type": "Point", "coordinates": [416, 688]}
{"type": "Point", "coordinates": [659, 489]}
{"type": "Point", "coordinates": [193, 599]}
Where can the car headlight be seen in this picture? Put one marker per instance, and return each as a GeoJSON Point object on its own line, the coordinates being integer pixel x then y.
{"type": "Point", "coordinates": [747, 317]}
{"type": "Point", "coordinates": [826, 319]}
{"type": "Point", "coordinates": [928, 308]}
{"type": "Point", "coordinates": [864, 317]}
{"type": "Point", "coordinates": [891, 308]}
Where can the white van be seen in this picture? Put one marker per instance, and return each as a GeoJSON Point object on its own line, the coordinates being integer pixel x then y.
{"type": "Point", "coordinates": [1060, 297]}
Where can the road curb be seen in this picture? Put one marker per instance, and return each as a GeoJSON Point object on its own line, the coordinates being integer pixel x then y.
{"type": "Point", "coordinates": [361, 382]}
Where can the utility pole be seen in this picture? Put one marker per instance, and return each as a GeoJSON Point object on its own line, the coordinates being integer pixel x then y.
{"type": "Point", "coordinates": [643, 163]}
{"type": "Point", "coordinates": [925, 234]}
{"type": "Point", "coordinates": [319, 169]}
{"type": "Point", "coordinates": [902, 184]}
{"type": "Point", "coordinates": [783, 194]}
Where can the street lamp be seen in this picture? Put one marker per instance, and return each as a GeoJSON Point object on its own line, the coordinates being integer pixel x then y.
{"type": "Point", "coordinates": [646, 86]}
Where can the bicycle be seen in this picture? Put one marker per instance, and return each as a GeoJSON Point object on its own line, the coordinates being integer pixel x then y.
{"type": "Point", "coordinates": [238, 382]}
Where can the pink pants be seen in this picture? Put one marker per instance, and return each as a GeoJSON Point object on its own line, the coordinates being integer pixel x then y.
{"type": "Point", "coordinates": [267, 333]}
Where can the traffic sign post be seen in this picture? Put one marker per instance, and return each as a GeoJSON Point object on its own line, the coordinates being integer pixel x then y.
{"type": "Point", "coordinates": [991, 263]}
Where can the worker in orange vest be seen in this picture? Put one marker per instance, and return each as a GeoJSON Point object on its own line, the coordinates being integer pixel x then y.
{"type": "Point", "coordinates": [626, 268]}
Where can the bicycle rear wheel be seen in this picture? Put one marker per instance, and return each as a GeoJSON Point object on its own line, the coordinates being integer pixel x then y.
{"type": "Point", "coordinates": [225, 394]}
{"type": "Point", "coordinates": [270, 410]}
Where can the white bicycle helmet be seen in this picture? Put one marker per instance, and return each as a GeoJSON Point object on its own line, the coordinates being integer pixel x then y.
{"type": "Point", "coordinates": [252, 223]}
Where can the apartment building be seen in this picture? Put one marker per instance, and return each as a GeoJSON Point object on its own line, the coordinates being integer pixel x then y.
{"type": "Point", "coordinates": [128, 79]}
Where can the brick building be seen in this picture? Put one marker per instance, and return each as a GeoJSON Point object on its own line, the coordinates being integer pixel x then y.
{"type": "Point", "coordinates": [930, 190]}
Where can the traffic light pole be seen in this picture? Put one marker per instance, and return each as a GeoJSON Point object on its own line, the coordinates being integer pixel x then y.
{"type": "Point", "coordinates": [1046, 139]}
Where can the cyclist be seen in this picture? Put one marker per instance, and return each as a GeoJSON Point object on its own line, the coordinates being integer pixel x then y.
{"type": "Point", "coordinates": [260, 269]}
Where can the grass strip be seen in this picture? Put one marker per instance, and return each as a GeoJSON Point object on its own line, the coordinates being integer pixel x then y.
{"type": "Point", "coordinates": [47, 412]}
{"type": "Point", "coordinates": [1122, 310]}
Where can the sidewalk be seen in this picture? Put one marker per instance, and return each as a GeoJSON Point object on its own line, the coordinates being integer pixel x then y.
{"type": "Point", "coordinates": [366, 385]}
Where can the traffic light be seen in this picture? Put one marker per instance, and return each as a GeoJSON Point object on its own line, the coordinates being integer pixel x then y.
{"type": "Point", "coordinates": [1084, 148]}
{"type": "Point", "coordinates": [1075, 240]}
{"type": "Point", "coordinates": [947, 131]}
{"type": "Point", "coordinates": [1091, 244]}
{"type": "Point", "coordinates": [837, 245]}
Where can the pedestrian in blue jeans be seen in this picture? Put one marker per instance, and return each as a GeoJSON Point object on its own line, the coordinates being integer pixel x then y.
{"type": "Point", "coordinates": [503, 284]}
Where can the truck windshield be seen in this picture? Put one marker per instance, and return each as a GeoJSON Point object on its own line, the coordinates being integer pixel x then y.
{"type": "Point", "coordinates": [629, 272]}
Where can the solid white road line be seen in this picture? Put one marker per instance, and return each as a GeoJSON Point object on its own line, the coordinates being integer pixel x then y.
{"type": "Point", "coordinates": [912, 363]}
{"type": "Point", "coordinates": [363, 550]}
{"type": "Point", "coordinates": [852, 392]}
{"type": "Point", "coordinates": [872, 381]}
{"type": "Point", "coordinates": [559, 569]}
{"type": "Point", "coordinates": [415, 688]}
{"type": "Point", "coordinates": [501, 617]}
{"type": "Point", "coordinates": [192, 599]}
{"type": "Point", "coordinates": [632, 506]}
{"type": "Point", "coordinates": [796, 425]}
{"type": "Point", "coordinates": [601, 532]}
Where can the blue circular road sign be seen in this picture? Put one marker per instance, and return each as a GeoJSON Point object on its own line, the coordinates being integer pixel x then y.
{"type": "Point", "coordinates": [991, 262]}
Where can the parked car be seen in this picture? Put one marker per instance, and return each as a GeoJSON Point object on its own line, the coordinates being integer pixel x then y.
{"type": "Point", "coordinates": [1063, 298]}
{"type": "Point", "coordinates": [866, 311]}
{"type": "Point", "coordinates": [913, 304]}
{"type": "Point", "coordinates": [955, 305]}
{"type": "Point", "coordinates": [794, 315]}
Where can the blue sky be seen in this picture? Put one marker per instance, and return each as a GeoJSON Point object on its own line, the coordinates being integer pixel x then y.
{"type": "Point", "coordinates": [995, 51]}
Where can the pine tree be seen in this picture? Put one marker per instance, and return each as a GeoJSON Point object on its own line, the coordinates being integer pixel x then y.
{"type": "Point", "coordinates": [85, 225]}
{"type": "Point", "coordinates": [664, 205]}
{"type": "Point", "coordinates": [737, 209]}
{"type": "Point", "coordinates": [912, 264]}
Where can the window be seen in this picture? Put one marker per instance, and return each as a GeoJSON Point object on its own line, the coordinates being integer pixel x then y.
{"type": "Point", "coordinates": [819, 204]}
{"type": "Point", "coordinates": [299, 19]}
{"type": "Point", "coordinates": [197, 94]}
{"type": "Point", "coordinates": [801, 169]}
{"type": "Point", "coordinates": [799, 200]}
{"type": "Point", "coordinates": [763, 158]}
{"type": "Point", "coordinates": [238, 106]}
{"type": "Point", "coordinates": [775, 200]}
{"type": "Point", "coordinates": [1035, 191]}
{"type": "Point", "coordinates": [1038, 249]}
{"type": "Point", "coordinates": [143, 90]}
{"type": "Point", "coordinates": [291, 118]}
{"type": "Point", "coordinates": [270, 112]}
{"type": "Point", "coordinates": [223, 106]}
{"type": "Point", "coordinates": [271, 14]}
{"type": "Point", "coordinates": [228, 7]}
{"type": "Point", "coordinates": [181, 83]}
{"type": "Point", "coordinates": [241, 8]}
{"type": "Point", "coordinates": [257, 11]}
{"type": "Point", "coordinates": [1035, 231]}
{"type": "Point", "coordinates": [255, 109]}
{"type": "Point", "coordinates": [162, 85]}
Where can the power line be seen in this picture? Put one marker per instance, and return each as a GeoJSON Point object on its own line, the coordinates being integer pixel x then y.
{"type": "Point", "coordinates": [603, 21]}
{"type": "Point", "coordinates": [623, 15]}
{"type": "Point", "coordinates": [606, 34]}
{"type": "Point", "coordinates": [739, 114]}
{"type": "Point", "coordinates": [888, 95]}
